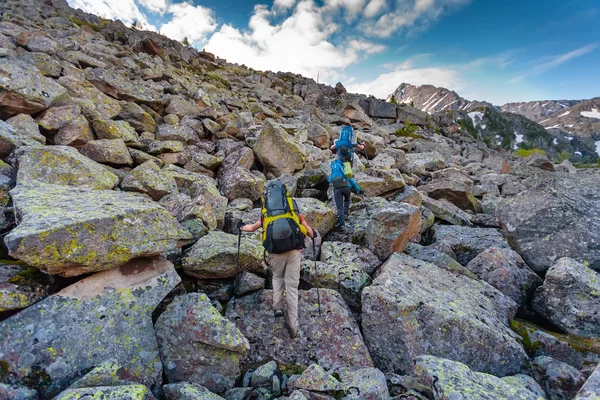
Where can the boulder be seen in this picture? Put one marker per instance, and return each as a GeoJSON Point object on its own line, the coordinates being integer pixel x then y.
{"type": "Point", "coordinates": [149, 179]}
{"type": "Point", "coordinates": [239, 182]}
{"type": "Point", "coordinates": [184, 208]}
{"type": "Point", "coordinates": [331, 340]}
{"type": "Point", "coordinates": [182, 107]}
{"type": "Point", "coordinates": [24, 90]}
{"type": "Point", "coordinates": [318, 215]}
{"type": "Point", "coordinates": [555, 216]}
{"type": "Point", "coordinates": [566, 166]}
{"type": "Point", "coordinates": [22, 286]}
{"type": "Point", "coordinates": [17, 393]}
{"type": "Point", "coordinates": [591, 388]}
{"type": "Point", "coordinates": [381, 109]}
{"type": "Point", "coordinates": [363, 383]}
{"type": "Point", "coordinates": [391, 227]}
{"type": "Point", "coordinates": [119, 86]}
{"type": "Point", "coordinates": [105, 316]}
{"type": "Point", "coordinates": [559, 380]}
{"type": "Point", "coordinates": [77, 133]}
{"type": "Point", "coordinates": [277, 151]}
{"type": "Point", "coordinates": [207, 347]}
{"type": "Point", "coordinates": [315, 379]}
{"type": "Point", "coordinates": [139, 157]}
{"type": "Point", "coordinates": [94, 104]}
{"type": "Point", "coordinates": [340, 253]}
{"type": "Point", "coordinates": [11, 139]}
{"type": "Point", "coordinates": [505, 270]}
{"type": "Point", "coordinates": [410, 195]}
{"type": "Point", "coordinates": [25, 125]}
{"type": "Point", "coordinates": [165, 146]}
{"type": "Point", "coordinates": [454, 380]}
{"type": "Point", "coordinates": [447, 211]}
{"type": "Point", "coordinates": [45, 63]}
{"type": "Point", "coordinates": [55, 118]}
{"type": "Point", "coordinates": [215, 256]}
{"type": "Point", "coordinates": [464, 243]}
{"type": "Point", "coordinates": [107, 373]}
{"type": "Point", "coordinates": [107, 151]}
{"type": "Point", "coordinates": [421, 163]}
{"type": "Point", "coordinates": [569, 298]}
{"type": "Point", "coordinates": [188, 391]}
{"type": "Point", "coordinates": [455, 192]}
{"type": "Point", "coordinates": [414, 308]}
{"type": "Point", "coordinates": [356, 114]}
{"type": "Point", "coordinates": [62, 165]}
{"type": "Point", "coordinates": [179, 133]}
{"type": "Point", "coordinates": [125, 392]}
{"type": "Point", "coordinates": [248, 282]}
{"type": "Point", "coordinates": [379, 182]}
{"type": "Point", "coordinates": [540, 161]}
{"type": "Point", "coordinates": [264, 375]}
{"type": "Point", "coordinates": [71, 231]}
{"type": "Point", "coordinates": [110, 129]}
{"type": "Point", "coordinates": [348, 280]}
{"type": "Point", "coordinates": [525, 382]}
{"type": "Point", "coordinates": [434, 256]}
{"type": "Point", "coordinates": [137, 117]}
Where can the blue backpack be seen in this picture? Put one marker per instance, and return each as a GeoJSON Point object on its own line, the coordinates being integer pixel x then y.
{"type": "Point", "coordinates": [344, 144]}
{"type": "Point", "coordinates": [338, 178]}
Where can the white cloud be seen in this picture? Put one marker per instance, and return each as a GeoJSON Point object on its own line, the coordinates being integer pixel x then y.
{"type": "Point", "coordinates": [409, 14]}
{"type": "Point", "coordinates": [352, 7]}
{"type": "Point", "coordinates": [284, 4]}
{"type": "Point", "coordinates": [374, 8]}
{"type": "Point", "coordinates": [386, 83]}
{"type": "Point", "coordinates": [156, 6]}
{"type": "Point", "coordinates": [125, 10]}
{"type": "Point", "coordinates": [193, 22]}
{"type": "Point", "coordinates": [563, 58]}
{"type": "Point", "coordinates": [300, 44]}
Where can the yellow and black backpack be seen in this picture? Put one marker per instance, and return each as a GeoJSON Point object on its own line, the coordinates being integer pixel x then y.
{"type": "Point", "coordinates": [282, 230]}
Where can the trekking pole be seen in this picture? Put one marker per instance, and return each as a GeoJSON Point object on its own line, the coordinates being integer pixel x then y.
{"type": "Point", "coordinates": [316, 274]}
{"type": "Point", "coordinates": [364, 197]}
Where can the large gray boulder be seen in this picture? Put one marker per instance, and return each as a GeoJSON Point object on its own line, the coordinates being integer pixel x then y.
{"type": "Point", "coordinates": [188, 391]}
{"type": "Point", "coordinates": [12, 138]}
{"type": "Point", "coordinates": [556, 216]}
{"type": "Point", "coordinates": [331, 340]}
{"type": "Point", "coordinates": [239, 182]}
{"type": "Point", "coordinates": [376, 182]}
{"type": "Point", "coordinates": [414, 308]}
{"type": "Point", "coordinates": [363, 383]}
{"type": "Point", "coordinates": [454, 380]}
{"type": "Point", "coordinates": [62, 165]}
{"type": "Point", "coordinates": [23, 89]}
{"type": "Point", "coordinates": [464, 243]}
{"type": "Point", "coordinates": [446, 211]}
{"type": "Point", "coordinates": [206, 348]}
{"type": "Point", "coordinates": [125, 392]}
{"type": "Point", "coordinates": [591, 388]}
{"type": "Point", "coordinates": [277, 151]}
{"type": "Point", "coordinates": [22, 286]}
{"type": "Point", "coordinates": [391, 227]}
{"type": "Point", "coordinates": [116, 84]}
{"type": "Point", "coordinates": [559, 380]}
{"type": "Point", "coordinates": [94, 104]}
{"type": "Point", "coordinates": [349, 254]}
{"type": "Point", "coordinates": [505, 270]}
{"type": "Point", "coordinates": [215, 256]}
{"type": "Point", "coordinates": [105, 316]}
{"type": "Point", "coordinates": [318, 215]}
{"type": "Point", "coordinates": [569, 298]}
{"type": "Point", "coordinates": [149, 179]}
{"type": "Point", "coordinates": [108, 151]}
{"type": "Point", "coordinates": [71, 231]}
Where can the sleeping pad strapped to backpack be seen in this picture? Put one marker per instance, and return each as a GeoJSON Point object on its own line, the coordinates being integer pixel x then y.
{"type": "Point", "coordinates": [282, 230]}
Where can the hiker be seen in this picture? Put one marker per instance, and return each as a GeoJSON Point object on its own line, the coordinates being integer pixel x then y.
{"type": "Point", "coordinates": [345, 144]}
{"type": "Point", "coordinates": [284, 229]}
{"type": "Point", "coordinates": [343, 184]}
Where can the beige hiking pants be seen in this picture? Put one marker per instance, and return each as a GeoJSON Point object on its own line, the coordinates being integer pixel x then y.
{"type": "Point", "coordinates": [286, 275]}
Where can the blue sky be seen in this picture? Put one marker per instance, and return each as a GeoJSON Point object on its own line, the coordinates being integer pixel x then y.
{"type": "Point", "coordinates": [494, 50]}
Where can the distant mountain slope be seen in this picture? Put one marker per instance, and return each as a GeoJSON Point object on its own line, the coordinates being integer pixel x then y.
{"type": "Point", "coordinates": [583, 119]}
{"type": "Point", "coordinates": [432, 99]}
{"type": "Point", "coordinates": [537, 110]}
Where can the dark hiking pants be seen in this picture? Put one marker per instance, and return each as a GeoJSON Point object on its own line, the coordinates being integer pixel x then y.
{"type": "Point", "coordinates": [342, 202]}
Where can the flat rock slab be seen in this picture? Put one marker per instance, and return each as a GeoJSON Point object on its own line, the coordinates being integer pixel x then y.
{"type": "Point", "coordinates": [188, 391]}
{"type": "Point", "coordinates": [127, 392]}
{"type": "Point", "coordinates": [71, 231]}
{"type": "Point", "coordinates": [414, 308]}
{"type": "Point", "coordinates": [454, 380]}
{"type": "Point", "coordinates": [464, 243]}
{"type": "Point", "coordinates": [331, 340]}
{"type": "Point", "coordinates": [22, 286]}
{"type": "Point", "coordinates": [105, 316]}
{"type": "Point", "coordinates": [591, 389]}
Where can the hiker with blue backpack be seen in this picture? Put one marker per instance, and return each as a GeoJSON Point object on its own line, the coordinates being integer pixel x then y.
{"type": "Point", "coordinates": [343, 185]}
{"type": "Point", "coordinates": [344, 146]}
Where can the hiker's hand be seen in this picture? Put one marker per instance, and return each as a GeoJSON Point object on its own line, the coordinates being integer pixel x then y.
{"type": "Point", "coordinates": [315, 234]}
{"type": "Point", "coordinates": [361, 146]}
{"type": "Point", "coordinates": [240, 225]}
{"type": "Point", "coordinates": [355, 191]}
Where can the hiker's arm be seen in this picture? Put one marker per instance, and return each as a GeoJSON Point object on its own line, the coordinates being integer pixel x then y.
{"type": "Point", "coordinates": [251, 227]}
{"type": "Point", "coordinates": [309, 230]}
{"type": "Point", "coordinates": [354, 185]}
{"type": "Point", "coordinates": [332, 148]}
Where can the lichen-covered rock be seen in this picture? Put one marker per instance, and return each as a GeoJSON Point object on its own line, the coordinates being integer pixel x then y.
{"type": "Point", "coordinates": [137, 117]}
{"type": "Point", "coordinates": [263, 375]}
{"type": "Point", "coordinates": [318, 215]}
{"type": "Point", "coordinates": [47, 65]}
{"type": "Point", "coordinates": [110, 129]}
{"type": "Point", "coordinates": [391, 227]}
{"type": "Point", "coordinates": [559, 380]}
{"type": "Point", "coordinates": [127, 392]}
{"type": "Point", "coordinates": [24, 90]}
{"type": "Point", "coordinates": [179, 133]}
{"type": "Point", "coordinates": [206, 348]}
{"type": "Point", "coordinates": [379, 182]}
{"type": "Point", "coordinates": [94, 104]}
{"type": "Point", "coordinates": [525, 382]}
{"type": "Point", "coordinates": [420, 163]}
{"type": "Point", "coordinates": [277, 151]}
{"type": "Point", "coordinates": [17, 393]}
{"type": "Point", "coordinates": [148, 178]}
{"type": "Point", "coordinates": [454, 380]}
{"type": "Point", "coordinates": [464, 243]}
{"type": "Point", "coordinates": [570, 297]}
{"type": "Point", "coordinates": [216, 256]}
{"type": "Point", "coordinates": [105, 316]}
{"type": "Point", "coordinates": [108, 373]}
{"type": "Point", "coordinates": [248, 282]}
{"type": "Point", "coordinates": [447, 211]}
{"type": "Point", "coordinates": [107, 151]}
{"type": "Point", "coordinates": [62, 165]}
{"type": "Point", "coordinates": [363, 383]}
{"type": "Point", "coordinates": [315, 379]}
{"type": "Point", "coordinates": [349, 254]}
{"type": "Point", "coordinates": [25, 125]}
{"type": "Point", "coordinates": [410, 195]}
{"type": "Point", "coordinates": [188, 391]}
{"type": "Point", "coordinates": [331, 340]}
{"type": "Point", "coordinates": [71, 231]}
{"type": "Point", "coordinates": [414, 307]}
{"type": "Point", "coordinates": [505, 270]}
{"type": "Point", "coordinates": [591, 388]}
{"type": "Point", "coordinates": [117, 85]}
{"type": "Point", "coordinates": [455, 192]}
{"type": "Point", "coordinates": [348, 280]}
{"type": "Point", "coordinates": [55, 118]}
{"type": "Point", "coordinates": [442, 260]}
{"type": "Point", "coordinates": [11, 139]}
{"type": "Point", "coordinates": [77, 133]}
{"type": "Point", "coordinates": [165, 146]}
{"type": "Point", "coordinates": [556, 216]}
{"type": "Point", "coordinates": [238, 182]}
{"type": "Point", "coordinates": [22, 286]}
{"type": "Point", "coordinates": [184, 208]}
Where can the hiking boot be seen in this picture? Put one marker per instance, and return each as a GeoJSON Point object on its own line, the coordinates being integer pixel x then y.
{"type": "Point", "coordinates": [293, 332]}
{"type": "Point", "coordinates": [346, 215]}
{"type": "Point", "coordinates": [278, 313]}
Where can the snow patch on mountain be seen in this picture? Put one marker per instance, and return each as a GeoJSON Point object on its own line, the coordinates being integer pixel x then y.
{"type": "Point", "coordinates": [591, 114]}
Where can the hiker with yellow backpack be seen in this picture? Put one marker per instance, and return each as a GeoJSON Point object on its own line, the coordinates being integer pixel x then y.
{"type": "Point", "coordinates": [284, 230]}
